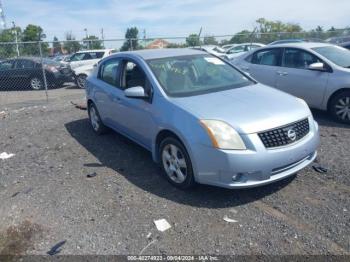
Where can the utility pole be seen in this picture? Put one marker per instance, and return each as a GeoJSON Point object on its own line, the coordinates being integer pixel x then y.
{"type": "Point", "coordinates": [102, 37]}
{"type": "Point", "coordinates": [86, 37]}
{"type": "Point", "coordinates": [2, 17]}
{"type": "Point", "coordinates": [14, 31]}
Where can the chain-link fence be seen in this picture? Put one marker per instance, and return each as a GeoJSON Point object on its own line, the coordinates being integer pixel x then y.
{"type": "Point", "coordinates": [39, 67]}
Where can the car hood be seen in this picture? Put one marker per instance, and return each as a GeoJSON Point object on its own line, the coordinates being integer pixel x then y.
{"type": "Point", "coordinates": [249, 109]}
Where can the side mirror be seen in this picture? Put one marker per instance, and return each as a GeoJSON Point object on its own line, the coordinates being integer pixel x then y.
{"type": "Point", "coordinates": [135, 92]}
{"type": "Point", "coordinates": [317, 67]}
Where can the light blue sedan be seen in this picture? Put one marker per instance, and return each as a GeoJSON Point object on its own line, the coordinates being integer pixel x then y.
{"type": "Point", "coordinates": [203, 120]}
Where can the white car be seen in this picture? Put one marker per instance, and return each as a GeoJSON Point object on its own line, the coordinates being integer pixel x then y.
{"type": "Point", "coordinates": [227, 47]}
{"type": "Point", "coordinates": [212, 49]}
{"type": "Point", "coordinates": [82, 63]}
{"type": "Point", "coordinates": [241, 49]}
{"type": "Point", "coordinates": [319, 73]}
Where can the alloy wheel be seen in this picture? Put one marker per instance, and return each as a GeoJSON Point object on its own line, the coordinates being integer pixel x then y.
{"type": "Point", "coordinates": [36, 83]}
{"type": "Point", "coordinates": [94, 119]}
{"type": "Point", "coordinates": [342, 108]}
{"type": "Point", "coordinates": [81, 80]}
{"type": "Point", "coordinates": [174, 163]}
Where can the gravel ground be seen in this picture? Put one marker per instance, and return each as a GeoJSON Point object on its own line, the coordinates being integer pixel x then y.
{"type": "Point", "coordinates": [46, 196]}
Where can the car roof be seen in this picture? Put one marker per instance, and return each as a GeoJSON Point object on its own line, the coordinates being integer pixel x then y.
{"type": "Point", "coordinates": [95, 50]}
{"type": "Point", "coordinates": [344, 43]}
{"type": "Point", "coordinates": [33, 58]}
{"type": "Point", "coordinates": [162, 53]}
{"type": "Point", "coordinates": [307, 45]}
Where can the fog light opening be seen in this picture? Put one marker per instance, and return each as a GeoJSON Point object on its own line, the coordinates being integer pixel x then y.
{"type": "Point", "coordinates": [236, 177]}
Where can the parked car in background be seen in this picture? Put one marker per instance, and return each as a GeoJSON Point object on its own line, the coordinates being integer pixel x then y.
{"type": "Point", "coordinates": [339, 39]}
{"type": "Point", "coordinates": [86, 59]}
{"type": "Point", "coordinates": [62, 58]}
{"type": "Point", "coordinates": [213, 49]}
{"type": "Point", "coordinates": [286, 41]}
{"type": "Point", "coordinates": [27, 72]}
{"type": "Point", "coordinates": [345, 45]}
{"type": "Point", "coordinates": [226, 47]}
{"type": "Point", "coordinates": [203, 120]}
{"type": "Point", "coordinates": [240, 49]}
{"type": "Point", "coordinates": [290, 41]}
{"type": "Point", "coordinates": [316, 72]}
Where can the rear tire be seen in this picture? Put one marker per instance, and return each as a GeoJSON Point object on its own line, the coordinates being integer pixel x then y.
{"type": "Point", "coordinates": [339, 107]}
{"type": "Point", "coordinates": [95, 120]}
{"type": "Point", "coordinates": [176, 163]}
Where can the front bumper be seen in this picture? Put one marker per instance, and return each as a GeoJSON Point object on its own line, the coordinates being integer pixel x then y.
{"type": "Point", "coordinates": [257, 165]}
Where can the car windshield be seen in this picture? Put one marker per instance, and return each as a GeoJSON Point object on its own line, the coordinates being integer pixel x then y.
{"type": "Point", "coordinates": [77, 57]}
{"type": "Point", "coordinates": [48, 61]}
{"type": "Point", "coordinates": [196, 74]}
{"type": "Point", "coordinates": [338, 55]}
{"type": "Point", "coordinates": [219, 50]}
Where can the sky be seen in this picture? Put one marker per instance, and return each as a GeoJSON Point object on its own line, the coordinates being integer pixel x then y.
{"type": "Point", "coordinates": [166, 18]}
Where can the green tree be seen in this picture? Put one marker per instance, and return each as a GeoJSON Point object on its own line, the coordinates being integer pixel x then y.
{"type": "Point", "coordinates": [34, 33]}
{"type": "Point", "coordinates": [319, 28]}
{"type": "Point", "coordinates": [175, 45]}
{"type": "Point", "coordinates": [193, 40]}
{"type": "Point", "coordinates": [92, 42]}
{"type": "Point", "coordinates": [332, 32]}
{"type": "Point", "coordinates": [241, 37]}
{"type": "Point", "coordinates": [270, 31]}
{"type": "Point", "coordinates": [131, 42]}
{"type": "Point", "coordinates": [56, 46]}
{"type": "Point", "coordinates": [71, 45]}
{"type": "Point", "coordinates": [210, 40]}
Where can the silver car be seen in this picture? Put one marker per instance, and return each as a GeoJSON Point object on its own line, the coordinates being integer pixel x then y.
{"type": "Point", "coordinates": [203, 120]}
{"type": "Point", "coordinates": [316, 72]}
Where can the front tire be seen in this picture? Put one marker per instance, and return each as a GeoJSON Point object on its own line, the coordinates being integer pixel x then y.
{"type": "Point", "coordinates": [36, 83]}
{"type": "Point", "coordinates": [95, 120]}
{"type": "Point", "coordinates": [81, 80]}
{"type": "Point", "coordinates": [176, 163]}
{"type": "Point", "coordinates": [340, 107]}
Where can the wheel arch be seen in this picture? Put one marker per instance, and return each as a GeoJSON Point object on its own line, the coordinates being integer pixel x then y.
{"type": "Point", "coordinates": [335, 94]}
{"type": "Point", "coordinates": [162, 134]}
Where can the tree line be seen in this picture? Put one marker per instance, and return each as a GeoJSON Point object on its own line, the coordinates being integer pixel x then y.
{"type": "Point", "coordinates": [35, 34]}
{"type": "Point", "coordinates": [266, 31]}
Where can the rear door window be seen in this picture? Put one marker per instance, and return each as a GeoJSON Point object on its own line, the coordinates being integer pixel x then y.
{"type": "Point", "coordinates": [93, 55]}
{"type": "Point", "coordinates": [24, 64]}
{"type": "Point", "coordinates": [269, 57]}
{"type": "Point", "coordinates": [6, 65]}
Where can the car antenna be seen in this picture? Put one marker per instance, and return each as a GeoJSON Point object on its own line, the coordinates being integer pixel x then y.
{"type": "Point", "coordinates": [251, 36]}
{"type": "Point", "coordinates": [199, 38]}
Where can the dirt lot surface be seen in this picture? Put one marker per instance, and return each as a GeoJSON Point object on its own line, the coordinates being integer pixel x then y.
{"type": "Point", "coordinates": [46, 196]}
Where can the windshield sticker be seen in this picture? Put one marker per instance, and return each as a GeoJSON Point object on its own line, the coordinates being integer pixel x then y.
{"type": "Point", "coordinates": [214, 60]}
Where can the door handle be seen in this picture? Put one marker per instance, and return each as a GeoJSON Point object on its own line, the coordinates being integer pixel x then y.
{"type": "Point", "coordinates": [245, 68]}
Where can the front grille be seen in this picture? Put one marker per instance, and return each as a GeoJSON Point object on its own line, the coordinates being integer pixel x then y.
{"type": "Point", "coordinates": [285, 135]}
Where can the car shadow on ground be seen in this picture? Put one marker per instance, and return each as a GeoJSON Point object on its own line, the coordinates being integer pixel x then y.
{"type": "Point", "coordinates": [323, 118]}
{"type": "Point", "coordinates": [135, 164]}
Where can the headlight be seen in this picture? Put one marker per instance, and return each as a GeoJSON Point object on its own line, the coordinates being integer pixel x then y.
{"type": "Point", "coordinates": [222, 135]}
